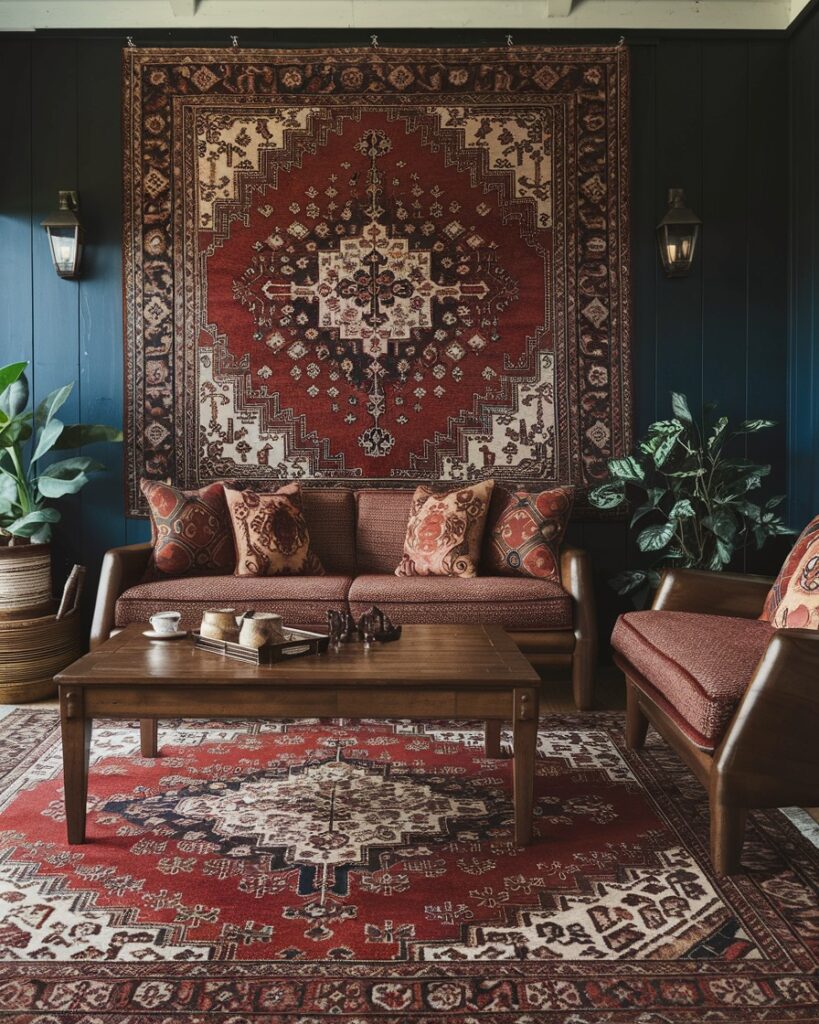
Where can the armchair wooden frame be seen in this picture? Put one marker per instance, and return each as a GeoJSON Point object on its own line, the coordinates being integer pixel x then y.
{"type": "Point", "coordinates": [769, 754]}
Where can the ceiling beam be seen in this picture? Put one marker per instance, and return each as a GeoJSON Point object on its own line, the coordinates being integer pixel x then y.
{"type": "Point", "coordinates": [559, 8]}
{"type": "Point", "coordinates": [183, 8]}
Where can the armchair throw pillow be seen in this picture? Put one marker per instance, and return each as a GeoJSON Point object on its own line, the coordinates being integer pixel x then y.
{"type": "Point", "coordinates": [793, 600]}
{"type": "Point", "coordinates": [444, 531]}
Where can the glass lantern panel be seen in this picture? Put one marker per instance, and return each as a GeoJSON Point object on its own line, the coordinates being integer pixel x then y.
{"type": "Point", "coordinates": [63, 248]}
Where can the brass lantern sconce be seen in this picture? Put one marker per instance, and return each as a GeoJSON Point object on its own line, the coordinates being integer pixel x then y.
{"type": "Point", "coordinates": [65, 236]}
{"type": "Point", "coordinates": [677, 235]}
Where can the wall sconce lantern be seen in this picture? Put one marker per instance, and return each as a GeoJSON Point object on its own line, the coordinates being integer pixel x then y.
{"type": "Point", "coordinates": [65, 236]}
{"type": "Point", "coordinates": [677, 235]}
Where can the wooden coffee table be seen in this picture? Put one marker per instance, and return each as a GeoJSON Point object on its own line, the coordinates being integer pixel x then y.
{"type": "Point", "coordinates": [431, 672]}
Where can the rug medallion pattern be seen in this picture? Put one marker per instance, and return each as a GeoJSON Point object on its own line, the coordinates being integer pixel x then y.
{"type": "Point", "coordinates": [362, 266]}
{"type": "Point", "coordinates": [304, 870]}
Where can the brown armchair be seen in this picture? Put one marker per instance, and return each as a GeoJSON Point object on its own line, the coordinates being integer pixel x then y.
{"type": "Point", "coordinates": [735, 698]}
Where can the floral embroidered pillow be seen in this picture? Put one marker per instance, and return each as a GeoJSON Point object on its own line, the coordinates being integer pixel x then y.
{"type": "Point", "coordinates": [525, 533]}
{"type": "Point", "coordinates": [270, 533]}
{"type": "Point", "coordinates": [444, 531]}
{"type": "Point", "coordinates": [190, 531]}
{"type": "Point", "coordinates": [793, 600]}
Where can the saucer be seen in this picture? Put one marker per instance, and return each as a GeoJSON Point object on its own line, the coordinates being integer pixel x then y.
{"type": "Point", "coordinates": [153, 635]}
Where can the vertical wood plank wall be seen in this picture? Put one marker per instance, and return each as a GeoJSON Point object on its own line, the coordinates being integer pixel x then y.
{"type": "Point", "coordinates": [709, 115]}
{"type": "Point", "coordinates": [803, 390]}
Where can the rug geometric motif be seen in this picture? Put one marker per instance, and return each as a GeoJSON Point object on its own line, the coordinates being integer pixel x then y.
{"type": "Point", "coordinates": [368, 869]}
{"type": "Point", "coordinates": [376, 267]}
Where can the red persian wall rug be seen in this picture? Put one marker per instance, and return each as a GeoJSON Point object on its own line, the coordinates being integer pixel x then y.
{"type": "Point", "coordinates": [376, 265]}
{"type": "Point", "coordinates": [301, 872]}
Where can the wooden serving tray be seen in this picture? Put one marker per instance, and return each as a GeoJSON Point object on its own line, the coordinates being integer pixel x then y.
{"type": "Point", "coordinates": [297, 642]}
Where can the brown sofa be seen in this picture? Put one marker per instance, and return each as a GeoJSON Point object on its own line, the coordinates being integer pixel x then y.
{"type": "Point", "coordinates": [359, 537]}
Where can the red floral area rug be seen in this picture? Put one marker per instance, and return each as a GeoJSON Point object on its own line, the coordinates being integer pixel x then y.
{"type": "Point", "coordinates": [306, 871]}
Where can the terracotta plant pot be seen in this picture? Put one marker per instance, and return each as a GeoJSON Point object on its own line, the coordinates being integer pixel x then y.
{"type": "Point", "coordinates": [25, 581]}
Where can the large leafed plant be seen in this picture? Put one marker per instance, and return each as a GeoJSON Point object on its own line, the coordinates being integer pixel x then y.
{"type": "Point", "coordinates": [28, 480]}
{"type": "Point", "coordinates": [692, 500]}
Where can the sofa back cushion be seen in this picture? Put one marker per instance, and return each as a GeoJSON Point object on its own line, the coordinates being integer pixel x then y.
{"type": "Point", "coordinates": [330, 516]}
{"type": "Point", "coordinates": [381, 527]}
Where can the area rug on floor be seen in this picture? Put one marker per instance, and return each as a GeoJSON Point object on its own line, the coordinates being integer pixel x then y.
{"type": "Point", "coordinates": [288, 872]}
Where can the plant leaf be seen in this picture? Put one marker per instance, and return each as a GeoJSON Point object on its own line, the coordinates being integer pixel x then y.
{"type": "Point", "coordinates": [752, 426]}
{"type": "Point", "coordinates": [723, 525]}
{"type": "Point", "coordinates": [27, 525]}
{"type": "Point", "coordinates": [66, 468]}
{"type": "Point", "coordinates": [629, 581]}
{"type": "Point", "coordinates": [58, 487]}
{"type": "Point", "coordinates": [607, 496]}
{"type": "Point", "coordinates": [682, 509]}
{"type": "Point", "coordinates": [77, 435]}
{"type": "Point", "coordinates": [656, 536]}
{"type": "Point", "coordinates": [9, 374]}
{"type": "Point", "coordinates": [643, 510]}
{"type": "Point", "coordinates": [15, 397]}
{"type": "Point", "coordinates": [51, 403]}
{"type": "Point", "coordinates": [627, 469]}
{"type": "Point", "coordinates": [679, 405]}
{"type": "Point", "coordinates": [718, 434]}
{"type": "Point", "coordinates": [665, 448]}
{"type": "Point", "coordinates": [48, 436]}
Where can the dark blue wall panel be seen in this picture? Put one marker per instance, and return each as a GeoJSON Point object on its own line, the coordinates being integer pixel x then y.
{"type": "Point", "coordinates": [708, 115]}
{"type": "Point", "coordinates": [803, 390]}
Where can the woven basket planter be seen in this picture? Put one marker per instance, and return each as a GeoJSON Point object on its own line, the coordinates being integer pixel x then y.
{"type": "Point", "coordinates": [32, 652]}
{"type": "Point", "coordinates": [25, 581]}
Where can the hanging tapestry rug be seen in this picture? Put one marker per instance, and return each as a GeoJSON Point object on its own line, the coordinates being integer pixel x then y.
{"type": "Point", "coordinates": [376, 266]}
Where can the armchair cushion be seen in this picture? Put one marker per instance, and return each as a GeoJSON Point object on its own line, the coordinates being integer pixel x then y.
{"type": "Point", "coordinates": [697, 667]}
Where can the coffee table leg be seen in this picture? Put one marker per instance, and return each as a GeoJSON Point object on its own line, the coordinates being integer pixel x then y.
{"type": "Point", "coordinates": [76, 730]}
{"type": "Point", "coordinates": [147, 737]}
{"type": "Point", "coordinates": [492, 737]}
{"type": "Point", "coordinates": [525, 745]}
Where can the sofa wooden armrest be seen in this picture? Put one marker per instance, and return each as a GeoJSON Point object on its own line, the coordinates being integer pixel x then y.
{"type": "Point", "coordinates": [576, 577]}
{"type": "Point", "coordinates": [712, 593]}
{"type": "Point", "coordinates": [121, 568]}
{"type": "Point", "coordinates": [769, 756]}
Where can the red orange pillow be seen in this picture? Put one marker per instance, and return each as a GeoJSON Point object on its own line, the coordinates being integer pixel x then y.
{"type": "Point", "coordinates": [444, 531]}
{"type": "Point", "coordinates": [270, 533]}
{"type": "Point", "coordinates": [190, 531]}
{"type": "Point", "coordinates": [793, 600]}
{"type": "Point", "coordinates": [525, 533]}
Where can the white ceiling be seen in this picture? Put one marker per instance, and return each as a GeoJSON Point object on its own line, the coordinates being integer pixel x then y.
{"type": "Point", "coordinates": [26, 15]}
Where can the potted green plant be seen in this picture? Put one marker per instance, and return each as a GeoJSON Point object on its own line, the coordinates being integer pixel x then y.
{"type": "Point", "coordinates": [691, 499]}
{"type": "Point", "coordinates": [30, 482]}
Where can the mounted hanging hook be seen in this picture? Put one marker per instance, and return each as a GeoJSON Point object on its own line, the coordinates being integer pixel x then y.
{"type": "Point", "coordinates": [374, 41]}
{"type": "Point", "coordinates": [129, 42]}
{"type": "Point", "coordinates": [509, 40]}
{"type": "Point", "coordinates": [234, 42]}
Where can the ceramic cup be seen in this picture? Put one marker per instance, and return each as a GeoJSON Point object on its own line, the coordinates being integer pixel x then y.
{"type": "Point", "coordinates": [219, 624]}
{"type": "Point", "coordinates": [165, 622]}
{"type": "Point", "coordinates": [261, 628]}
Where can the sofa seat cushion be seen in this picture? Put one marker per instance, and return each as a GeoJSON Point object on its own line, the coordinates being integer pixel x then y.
{"type": "Point", "coordinates": [513, 603]}
{"type": "Point", "coordinates": [697, 666]}
{"type": "Point", "coordinates": [301, 600]}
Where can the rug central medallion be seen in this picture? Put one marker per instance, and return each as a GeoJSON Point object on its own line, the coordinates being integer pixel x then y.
{"type": "Point", "coordinates": [371, 309]}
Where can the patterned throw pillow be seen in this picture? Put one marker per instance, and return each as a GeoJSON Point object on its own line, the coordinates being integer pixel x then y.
{"type": "Point", "coordinates": [524, 539]}
{"type": "Point", "coordinates": [190, 531]}
{"type": "Point", "coordinates": [444, 531]}
{"type": "Point", "coordinates": [793, 600]}
{"type": "Point", "coordinates": [271, 534]}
